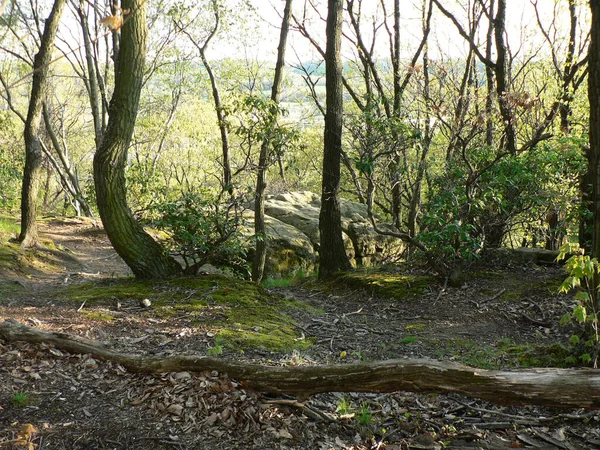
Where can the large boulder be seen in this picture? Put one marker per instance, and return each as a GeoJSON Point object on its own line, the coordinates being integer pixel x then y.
{"type": "Point", "coordinates": [300, 211]}
{"type": "Point", "coordinates": [289, 250]}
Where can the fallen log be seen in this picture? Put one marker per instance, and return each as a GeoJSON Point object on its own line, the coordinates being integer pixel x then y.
{"type": "Point", "coordinates": [565, 388]}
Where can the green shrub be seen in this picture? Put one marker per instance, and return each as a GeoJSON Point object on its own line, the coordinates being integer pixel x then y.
{"type": "Point", "coordinates": [203, 230]}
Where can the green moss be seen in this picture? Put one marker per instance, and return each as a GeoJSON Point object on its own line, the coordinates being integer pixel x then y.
{"type": "Point", "coordinates": [503, 354]}
{"type": "Point", "coordinates": [242, 314]}
{"type": "Point", "coordinates": [100, 316]}
{"type": "Point", "coordinates": [104, 292]}
{"type": "Point", "coordinates": [408, 340]}
{"type": "Point", "coordinates": [415, 327]}
{"type": "Point", "coordinates": [386, 285]}
{"type": "Point", "coordinates": [9, 226]}
{"type": "Point", "coordinates": [9, 257]}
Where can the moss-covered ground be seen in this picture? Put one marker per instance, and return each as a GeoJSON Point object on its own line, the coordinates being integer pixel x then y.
{"type": "Point", "coordinates": [241, 314]}
{"type": "Point", "coordinates": [385, 284]}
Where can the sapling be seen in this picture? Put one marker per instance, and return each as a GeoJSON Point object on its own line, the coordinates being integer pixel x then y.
{"type": "Point", "coordinates": [584, 276]}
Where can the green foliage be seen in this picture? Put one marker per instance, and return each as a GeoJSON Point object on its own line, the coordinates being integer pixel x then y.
{"type": "Point", "coordinates": [216, 349]}
{"type": "Point", "coordinates": [202, 230]}
{"type": "Point", "coordinates": [446, 231]}
{"type": "Point", "coordinates": [408, 340]}
{"type": "Point", "coordinates": [256, 121]}
{"type": "Point", "coordinates": [11, 162]}
{"type": "Point", "coordinates": [21, 399]}
{"type": "Point", "coordinates": [365, 415]}
{"type": "Point", "coordinates": [298, 277]}
{"type": "Point", "coordinates": [344, 406]}
{"type": "Point", "coordinates": [477, 200]}
{"type": "Point", "coordinates": [9, 227]}
{"type": "Point", "coordinates": [583, 276]}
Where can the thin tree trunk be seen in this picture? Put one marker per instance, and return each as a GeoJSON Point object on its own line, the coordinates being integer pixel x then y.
{"type": "Point", "coordinates": [65, 170]}
{"type": "Point", "coordinates": [489, 77]}
{"type": "Point", "coordinates": [332, 254]}
{"type": "Point", "coordinates": [227, 181]}
{"type": "Point", "coordinates": [260, 257]}
{"type": "Point", "coordinates": [502, 78]}
{"type": "Point", "coordinates": [33, 148]}
{"type": "Point", "coordinates": [225, 148]}
{"type": "Point", "coordinates": [92, 82]}
{"type": "Point", "coordinates": [142, 254]}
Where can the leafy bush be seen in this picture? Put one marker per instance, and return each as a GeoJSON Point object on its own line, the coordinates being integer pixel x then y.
{"type": "Point", "coordinates": [202, 229]}
{"type": "Point", "coordinates": [583, 275]}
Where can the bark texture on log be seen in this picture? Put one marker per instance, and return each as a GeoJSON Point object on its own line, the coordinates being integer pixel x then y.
{"type": "Point", "coordinates": [565, 388]}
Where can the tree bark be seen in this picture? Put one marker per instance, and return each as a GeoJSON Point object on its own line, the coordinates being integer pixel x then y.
{"type": "Point", "coordinates": [564, 388]}
{"type": "Point", "coordinates": [92, 83]}
{"type": "Point", "coordinates": [332, 254]}
{"type": "Point", "coordinates": [502, 78]}
{"type": "Point", "coordinates": [142, 254]}
{"type": "Point", "coordinates": [32, 172]}
{"type": "Point", "coordinates": [593, 154]}
{"type": "Point", "coordinates": [260, 257]}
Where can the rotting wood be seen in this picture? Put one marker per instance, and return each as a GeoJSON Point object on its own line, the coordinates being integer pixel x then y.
{"type": "Point", "coordinates": [566, 388]}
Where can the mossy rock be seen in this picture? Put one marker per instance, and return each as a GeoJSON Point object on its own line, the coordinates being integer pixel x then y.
{"type": "Point", "coordinates": [300, 210]}
{"type": "Point", "coordinates": [289, 250]}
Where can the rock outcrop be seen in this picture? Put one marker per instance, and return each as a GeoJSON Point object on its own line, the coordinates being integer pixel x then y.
{"type": "Point", "coordinates": [293, 232]}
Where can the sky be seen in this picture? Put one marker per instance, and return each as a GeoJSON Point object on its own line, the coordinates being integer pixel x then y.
{"type": "Point", "coordinates": [523, 30]}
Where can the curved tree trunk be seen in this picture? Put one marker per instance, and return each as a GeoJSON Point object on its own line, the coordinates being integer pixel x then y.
{"type": "Point", "coordinates": [33, 147]}
{"type": "Point", "coordinates": [260, 257]}
{"type": "Point", "coordinates": [140, 252]}
{"type": "Point", "coordinates": [332, 254]}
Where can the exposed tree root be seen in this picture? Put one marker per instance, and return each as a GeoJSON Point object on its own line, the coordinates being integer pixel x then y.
{"type": "Point", "coordinates": [567, 388]}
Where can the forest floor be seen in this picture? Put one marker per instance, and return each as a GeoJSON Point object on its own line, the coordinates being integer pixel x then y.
{"type": "Point", "coordinates": [505, 315]}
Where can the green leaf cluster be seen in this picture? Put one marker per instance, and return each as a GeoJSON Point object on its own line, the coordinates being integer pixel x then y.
{"type": "Point", "coordinates": [202, 229]}
{"type": "Point", "coordinates": [583, 276]}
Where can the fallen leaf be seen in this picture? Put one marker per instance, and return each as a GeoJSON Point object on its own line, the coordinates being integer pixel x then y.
{"type": "Point", "coordinates": [212, 419]}
{"type": "Point", "coordinates": [176, 410]}
{"type": "Point", "coordinates": [27, 430]}
{"type": "Point", "coordinates": [285, 434]}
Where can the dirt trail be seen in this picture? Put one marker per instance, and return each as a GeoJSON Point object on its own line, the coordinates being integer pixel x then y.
{"type": "Point", "coordinates": [87, 242]}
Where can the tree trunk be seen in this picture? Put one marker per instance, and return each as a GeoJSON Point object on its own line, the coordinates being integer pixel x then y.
{"type": "Point", "coordinates": [92, 84]}
{"type": "Point", "coordinates": [68, 176]}
{"type": "Point", "coordinates": [565, 388]}
{"type": "Point", "coordinates": [32, 172]}
{"type": "Point", "coordinates": [142, 254]}
{"type": "Point", "coordinates": [332, 254]}
{"type": "Point", "coordinates": [227, 181]}
{"type": "Point", "coordinates": [502, 78]}
{"type": "Point", "coordinates": [593, 154]}
{"type": "Point", "coordinates": [586, 221]}
{"type": "Point", "coordinates": [260, 257]}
